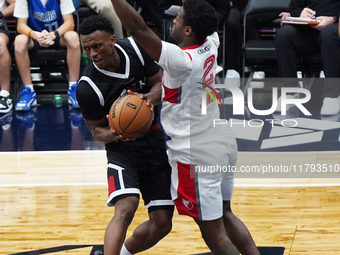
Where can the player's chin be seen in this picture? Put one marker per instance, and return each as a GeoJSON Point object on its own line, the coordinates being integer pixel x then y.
{"type": "Point", "coordinates": [99, 63]}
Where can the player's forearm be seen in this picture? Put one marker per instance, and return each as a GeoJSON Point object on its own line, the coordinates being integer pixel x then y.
{"type": "Point", "coordinates": [155, 94]}
{"type": "Point", "coordinates": [65, 27]}
{"type": "Point", "coordinates": [8, 11]}
{"type": "Point", "coordinates": [103, 134]}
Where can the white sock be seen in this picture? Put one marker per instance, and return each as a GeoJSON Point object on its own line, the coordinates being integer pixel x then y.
{"type": "Point", "coordinates": [4, 93]}
{"type": "Point", "coordinates": [124, 251]}
{"type": "Point", "coordinates": [70, 83]}
{"type": "Point", "coordinates": [30, 86]}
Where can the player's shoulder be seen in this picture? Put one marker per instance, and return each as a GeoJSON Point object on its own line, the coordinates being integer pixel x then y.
{"type": "Point", "coordinates": [214, 38]}
{"type": "Point", "coordinates": [127, 43]}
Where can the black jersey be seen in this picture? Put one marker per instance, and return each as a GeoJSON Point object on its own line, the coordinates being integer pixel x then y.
{"type": "Point", "coordinates": [98, 89]}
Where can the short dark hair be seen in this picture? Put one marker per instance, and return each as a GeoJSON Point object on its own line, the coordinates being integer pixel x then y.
{"type": "Point", "coordinates": [201, 17]}
{"type": "Point", "coordinates": [94, 23]}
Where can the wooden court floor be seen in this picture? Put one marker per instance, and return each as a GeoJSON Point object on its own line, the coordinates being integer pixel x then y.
{"type": "Point", "coordinates": [52, 199]}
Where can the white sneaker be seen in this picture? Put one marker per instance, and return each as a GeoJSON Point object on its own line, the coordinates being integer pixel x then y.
{"type": "Point", "coordinates": [330, 106]}
{"type": "Point", "coordinates": [288, 106]}
{"type": "Point", "coordinates": [258, 75]}
{"type": "Point", "coordinates": [218, 69]}
{"type": "Point", "coordinates": [322, 74]}
{"type": "Point", "coordinates": [232, 77]}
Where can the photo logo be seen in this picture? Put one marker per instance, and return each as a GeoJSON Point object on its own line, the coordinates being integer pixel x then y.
{"type": "Point", "coordinates": [239, 100]}
{"type": "Point", "coordinates": [204, 98]}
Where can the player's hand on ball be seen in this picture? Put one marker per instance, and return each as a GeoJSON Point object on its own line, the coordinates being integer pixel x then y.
{"type": "Point", "coordinates": [142, 96]}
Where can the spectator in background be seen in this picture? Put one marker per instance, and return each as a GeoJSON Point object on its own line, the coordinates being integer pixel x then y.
{"type": "Point", "coordinates": [105, 8]}
{"type": "Point", "coordinates": [296, 40]}
{"type": "Point", "coordinates": [234, 36]}
{"type": "Point", "coordinates": [36, 33]}
{"type": "Point", "coordinates": [6, 11]}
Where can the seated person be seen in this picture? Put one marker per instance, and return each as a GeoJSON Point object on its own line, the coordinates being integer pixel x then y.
{"type": "Point", "coordinates": [53, 31]}
{"type": "Point", "coordinates": [301, 40]}
{"type": "Point", "coordinates": [234, 35]}
{"type": "Point", "coordinates": [6, 10]}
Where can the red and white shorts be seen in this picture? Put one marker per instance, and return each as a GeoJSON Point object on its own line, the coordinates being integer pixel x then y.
{"type": "Point", "coordinates": [197, 193]}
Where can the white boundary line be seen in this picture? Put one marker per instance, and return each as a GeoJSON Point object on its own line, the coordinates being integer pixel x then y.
{"type": "Point", "coordinates": [240, 152]}
{"type": "Point", "coordinates": [51, 184]}
{"type": "Point", "coordinates": [236, 185]}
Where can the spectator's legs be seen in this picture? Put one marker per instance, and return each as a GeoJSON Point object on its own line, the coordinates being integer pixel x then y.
{"type": "Point", "coordinates": [21, 46]}
{"type": "Point", "coordinates": [233, 37]}
{"type": "Point", "coordinates": [5, 64]}
{"type": "Point", "coordinates": [70, 40]}
{"type": "Point", "coordinates": [330, 52]}
{"type": "Point", "coordinates": [292, 41]}
{"type": "Point", "coordinates": [105, 8]}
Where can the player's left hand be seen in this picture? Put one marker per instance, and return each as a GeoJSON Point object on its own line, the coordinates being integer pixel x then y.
{"type": "Point", "coordinates": [144, 97]}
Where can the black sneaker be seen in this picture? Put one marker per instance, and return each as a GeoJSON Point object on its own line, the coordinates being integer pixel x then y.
{"type": "Point", "coordinates": [6, 104]}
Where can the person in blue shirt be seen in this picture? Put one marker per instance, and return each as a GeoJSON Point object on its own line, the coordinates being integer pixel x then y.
{"type": "Point", "coordinates": [45, 23]}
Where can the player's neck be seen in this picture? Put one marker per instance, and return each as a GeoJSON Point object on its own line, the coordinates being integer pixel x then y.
{"type": "Point", "coordinates": [188, 41]}
{"type": "Point", "coordinates": [116, 62]}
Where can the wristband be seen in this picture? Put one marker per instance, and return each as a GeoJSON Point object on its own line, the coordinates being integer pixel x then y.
{"type": "Point", "coordinates": [29, 33]}
{"type": "Point", "coordinates": [57, 35]}
{"type": "Point", "coordinates": [1, 15]}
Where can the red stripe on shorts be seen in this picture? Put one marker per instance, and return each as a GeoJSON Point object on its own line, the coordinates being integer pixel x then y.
{"type": "Point", "coordinates": [186, 202]}
{"type": "Point", "coordinates": [112, 186]}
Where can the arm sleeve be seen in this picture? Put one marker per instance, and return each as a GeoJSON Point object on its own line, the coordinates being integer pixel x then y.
{"type": "Point", "coordinates": [296, 7]}
{"type": "Point", "coordinates": [89, 102]}
{"type": "Point", "coordinates": [174, 60]}
{"type": "Point", "coordinates": [21, 9]}
{"type": "Point", "coordinates": [66, 7]}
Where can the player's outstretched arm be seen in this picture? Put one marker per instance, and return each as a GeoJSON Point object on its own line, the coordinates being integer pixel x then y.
{"type": "Point", "coordinates": [136, 27]}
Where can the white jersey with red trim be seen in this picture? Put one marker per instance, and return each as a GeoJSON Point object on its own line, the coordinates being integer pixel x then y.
{"type": "Point", "coordinates": [186, 72]}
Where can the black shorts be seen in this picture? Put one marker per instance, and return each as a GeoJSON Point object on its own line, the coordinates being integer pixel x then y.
{"type": "Point", "coordinates": [140, 166]}
{"type": "Point", "coordinates": [37, 46]}
{"type": "Point", "coordinates": [5, 31]}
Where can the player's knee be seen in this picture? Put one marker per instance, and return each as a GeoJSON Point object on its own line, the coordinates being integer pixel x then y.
{"type": "Point", "coordinates": [124, 216]}
{"type": "Point", "coordinates": [72, 40]}
{"type": "Point", "coordinates": [163, 228]}
{"type": "Point", "coordinates": [124, 212]}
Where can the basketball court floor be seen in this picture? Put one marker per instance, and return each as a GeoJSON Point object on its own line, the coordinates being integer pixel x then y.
{"type": "Point", "coordinates": [53, 183]}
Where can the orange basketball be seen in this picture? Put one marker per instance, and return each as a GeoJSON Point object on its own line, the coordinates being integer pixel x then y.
{"type": "Point", "coordinates": [130, 116]}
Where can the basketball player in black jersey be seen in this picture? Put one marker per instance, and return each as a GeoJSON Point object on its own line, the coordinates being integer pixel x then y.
{"type": "Point", "coordinates": [133, 166]}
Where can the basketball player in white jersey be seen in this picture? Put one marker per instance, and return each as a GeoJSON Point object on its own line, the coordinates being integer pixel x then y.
{"type": "Point", "coordinates": [190, 67]}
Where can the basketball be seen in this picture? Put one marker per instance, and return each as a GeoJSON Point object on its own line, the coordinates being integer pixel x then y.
{"type": "Point", "coordinates": [130, 116]}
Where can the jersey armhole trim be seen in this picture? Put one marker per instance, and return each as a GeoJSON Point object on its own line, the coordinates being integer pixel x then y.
{"type": "Point", "coordinates": [139, 54]}
{"type": "Point", "coordinates": [95, 88]}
